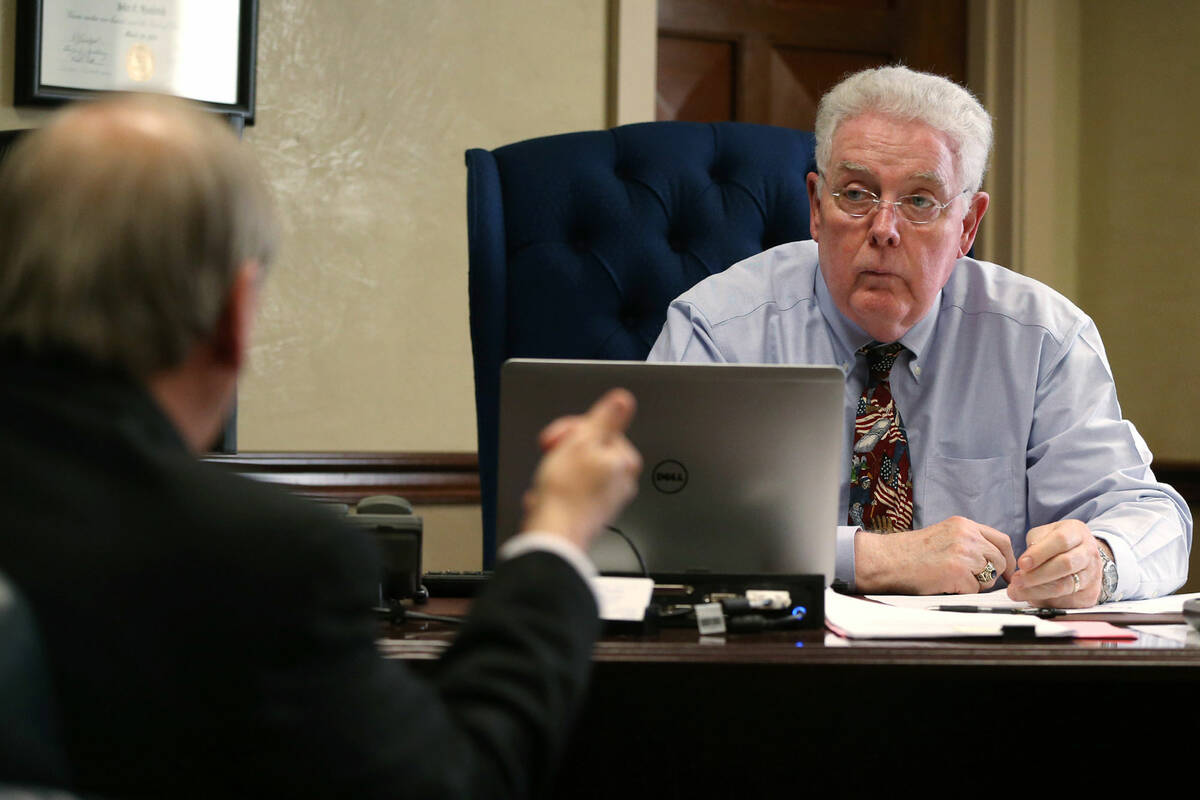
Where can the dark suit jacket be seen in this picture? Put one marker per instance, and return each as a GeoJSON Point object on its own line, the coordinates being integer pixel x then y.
{"type": "Point", "coordinates": [211, 636]}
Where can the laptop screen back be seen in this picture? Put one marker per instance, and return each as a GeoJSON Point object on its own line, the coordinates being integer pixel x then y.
{"type": "Point", "coordinates": [742, 463]}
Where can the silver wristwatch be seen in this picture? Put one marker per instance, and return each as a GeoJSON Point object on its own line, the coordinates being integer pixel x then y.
{"type": "Point", "coordinates": [1108, 576]}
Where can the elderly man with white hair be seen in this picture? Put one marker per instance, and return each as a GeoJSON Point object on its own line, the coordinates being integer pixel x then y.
{"type": "Point", "coordinates": [984, 439]}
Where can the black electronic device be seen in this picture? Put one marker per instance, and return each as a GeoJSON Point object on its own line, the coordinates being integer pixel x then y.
{"type": "Point", "coordinates": [456, 583]}
{"type": "Point", "coordinates": [1191, 612]}
{"type": "Point", "coordinates": [675, 593]}
{"type": "Point", "coordinates": [397, 532]}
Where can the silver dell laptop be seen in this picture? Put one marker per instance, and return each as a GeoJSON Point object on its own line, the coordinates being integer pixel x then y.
{"type": "Point", "coordinates": [742, 463]}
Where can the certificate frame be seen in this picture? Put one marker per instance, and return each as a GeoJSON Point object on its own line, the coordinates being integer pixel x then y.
{"type": "Point", "coordinates": [31, 87]}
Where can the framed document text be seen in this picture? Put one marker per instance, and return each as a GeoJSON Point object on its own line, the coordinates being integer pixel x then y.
{"type": "Point", "coordinates": [203, 50]}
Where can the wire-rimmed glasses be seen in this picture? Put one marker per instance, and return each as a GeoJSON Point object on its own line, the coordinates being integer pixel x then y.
{"type": "Point", "coordinates": [920, 208]}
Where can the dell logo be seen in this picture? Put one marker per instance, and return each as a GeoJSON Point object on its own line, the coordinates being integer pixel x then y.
{"type": "Point", "coordinates": [669, 477]}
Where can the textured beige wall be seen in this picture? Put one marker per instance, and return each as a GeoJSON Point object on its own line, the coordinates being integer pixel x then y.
{"type": "Point", "coordinates": [364, 111]}
{"type": "Point", "coordinates": [632, 54]}
{"type": "Point", "coordinates": [1139, 197]}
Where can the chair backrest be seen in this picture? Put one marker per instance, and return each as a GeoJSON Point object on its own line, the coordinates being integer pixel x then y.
{"type": "Point", "coordinates": [579, 242]}
{"type": "Point", "coordinates": [30, 751]}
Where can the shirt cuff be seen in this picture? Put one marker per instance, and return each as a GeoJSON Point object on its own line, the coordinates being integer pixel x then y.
{"type": "Point", "coordinates": [538, 541]}
{"type": "Point", "coordinates": [844, 571]}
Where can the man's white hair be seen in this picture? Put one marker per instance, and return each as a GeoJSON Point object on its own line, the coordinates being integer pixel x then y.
{"type": "Point", "coordinates": [125, 221]}
{"type": "Point", "coordinates": [910, 95]}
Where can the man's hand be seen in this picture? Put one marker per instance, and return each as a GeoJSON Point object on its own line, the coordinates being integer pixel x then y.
{"type": "Point", "coordinates": [1053, 554]}
{"type": "Point", "coordinates": [941, 559]}
{"type": "Point", "coordinates": [588, 474]}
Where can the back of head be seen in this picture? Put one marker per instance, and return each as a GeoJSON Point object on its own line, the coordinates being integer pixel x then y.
{"type": "Point", "coordinates": [909, 95]}
{"type": "Point", "coordinates": [125, 220]}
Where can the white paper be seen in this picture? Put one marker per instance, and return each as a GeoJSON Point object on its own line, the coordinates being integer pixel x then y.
{"type": "Point", "coordinates": [864, 619]}
{"type": "Point", "coordinates": [1179, 634]}
{"type": "Point", "coordinates": [623, 599]}
{"type": "Point", "coordinates": [981, 599]}
{"type": "Point", "coordinates": [1171, 604]}
{"type": "Point", "coordinates": [183, 47]}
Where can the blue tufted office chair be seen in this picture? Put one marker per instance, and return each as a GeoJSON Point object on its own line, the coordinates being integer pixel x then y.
{"type": "Point", "coordinates": [578, 242]}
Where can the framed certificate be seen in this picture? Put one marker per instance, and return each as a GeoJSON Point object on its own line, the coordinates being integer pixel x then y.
{"type": "Point", "coordinates": [203, 50]}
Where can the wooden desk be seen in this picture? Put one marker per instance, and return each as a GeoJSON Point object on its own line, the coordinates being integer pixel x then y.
{"type": "Point", "coordinates": [678, 717]}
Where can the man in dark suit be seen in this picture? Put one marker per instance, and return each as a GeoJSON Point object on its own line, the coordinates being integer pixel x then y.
{"type": "Point", "coordinates": [207, 635]}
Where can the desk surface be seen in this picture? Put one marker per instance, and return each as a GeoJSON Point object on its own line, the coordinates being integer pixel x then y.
{"type": "Point", "coordinates": [426, 640]}
{"type": "Point", "coordinates": [682, 717]}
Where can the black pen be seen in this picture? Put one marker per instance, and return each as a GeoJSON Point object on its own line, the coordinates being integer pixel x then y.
{"type": "Point", "coordinates": [1044, 613]}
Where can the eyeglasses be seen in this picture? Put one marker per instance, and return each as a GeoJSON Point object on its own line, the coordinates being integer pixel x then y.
{"type": "Point", "coordinates": [919, 208]}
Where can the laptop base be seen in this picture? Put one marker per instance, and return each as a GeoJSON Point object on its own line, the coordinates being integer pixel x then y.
{"type": "Point", "coordinates": [676, 595]}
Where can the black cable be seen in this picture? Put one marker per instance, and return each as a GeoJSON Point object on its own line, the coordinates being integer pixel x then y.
{"type": "Point", "coordinates": [749, 623]}
{"type": "Point", "coordinates": [734, 606]}
{"type": "Point", "coordinates": [633, 547]}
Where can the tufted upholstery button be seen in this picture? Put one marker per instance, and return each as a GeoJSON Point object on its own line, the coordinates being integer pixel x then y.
{"type": "Point", "coordinates": [629, 318]}
{"type": "Point", "coordinates": [580, 245]}
{"type": "Point", "coordinates": [677, 243]}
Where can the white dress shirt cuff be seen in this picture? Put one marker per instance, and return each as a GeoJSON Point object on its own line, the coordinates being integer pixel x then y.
{"type": "Point", "coordinates": [845, 555]}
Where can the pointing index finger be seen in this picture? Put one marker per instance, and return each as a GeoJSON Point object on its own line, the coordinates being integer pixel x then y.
{"type": "Point", "coordinates": [613, 412]}
{"type": "Point", "coordinates": [610, 414]}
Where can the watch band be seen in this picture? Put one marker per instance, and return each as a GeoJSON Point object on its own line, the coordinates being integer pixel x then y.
{"type": "Point", "coordinates": [1108, 576]}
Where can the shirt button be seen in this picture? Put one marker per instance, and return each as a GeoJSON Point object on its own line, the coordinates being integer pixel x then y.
{"type": "Point", "coordinates": [917, 371]}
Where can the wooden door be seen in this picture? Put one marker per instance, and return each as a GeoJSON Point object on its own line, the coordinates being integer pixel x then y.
{"type": "Point", "coordinates": [769, 61]}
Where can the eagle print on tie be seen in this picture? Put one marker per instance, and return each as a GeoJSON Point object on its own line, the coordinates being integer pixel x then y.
{"type": "Point", "coordinates": [880, 472]}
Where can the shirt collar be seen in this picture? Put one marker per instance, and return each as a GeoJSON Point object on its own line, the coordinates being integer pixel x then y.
{"type": "Point", "coordinates": [849, 338]}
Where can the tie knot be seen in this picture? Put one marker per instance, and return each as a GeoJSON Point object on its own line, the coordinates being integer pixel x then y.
{"type": "Point", "coordinates": [881, 357]}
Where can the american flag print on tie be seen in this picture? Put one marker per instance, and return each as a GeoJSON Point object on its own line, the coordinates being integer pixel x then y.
{"type": "Point", "coordinates": [880, 472]}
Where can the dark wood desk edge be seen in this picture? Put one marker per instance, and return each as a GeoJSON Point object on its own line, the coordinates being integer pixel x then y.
{"type": "Point", "coordinates": [1184, 662]}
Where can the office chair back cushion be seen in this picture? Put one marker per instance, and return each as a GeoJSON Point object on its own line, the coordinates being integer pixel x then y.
{"type": "Point", "coordinates": [578, 242]}
{"type": "Point", "coordinates": [30, 750]}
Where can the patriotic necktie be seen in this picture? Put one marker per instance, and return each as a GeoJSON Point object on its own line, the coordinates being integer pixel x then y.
{"type": "Point", "coordinates": [880, 473]}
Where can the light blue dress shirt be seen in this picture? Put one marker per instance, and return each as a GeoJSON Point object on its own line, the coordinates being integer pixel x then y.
{"type": "Point", "coordinates": [1006, 394]}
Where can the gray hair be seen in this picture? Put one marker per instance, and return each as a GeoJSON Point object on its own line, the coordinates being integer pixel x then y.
{"type": "Point", "coordinates": [124, 222]}
{"type": "Point", "coordinates": [909, 95]}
